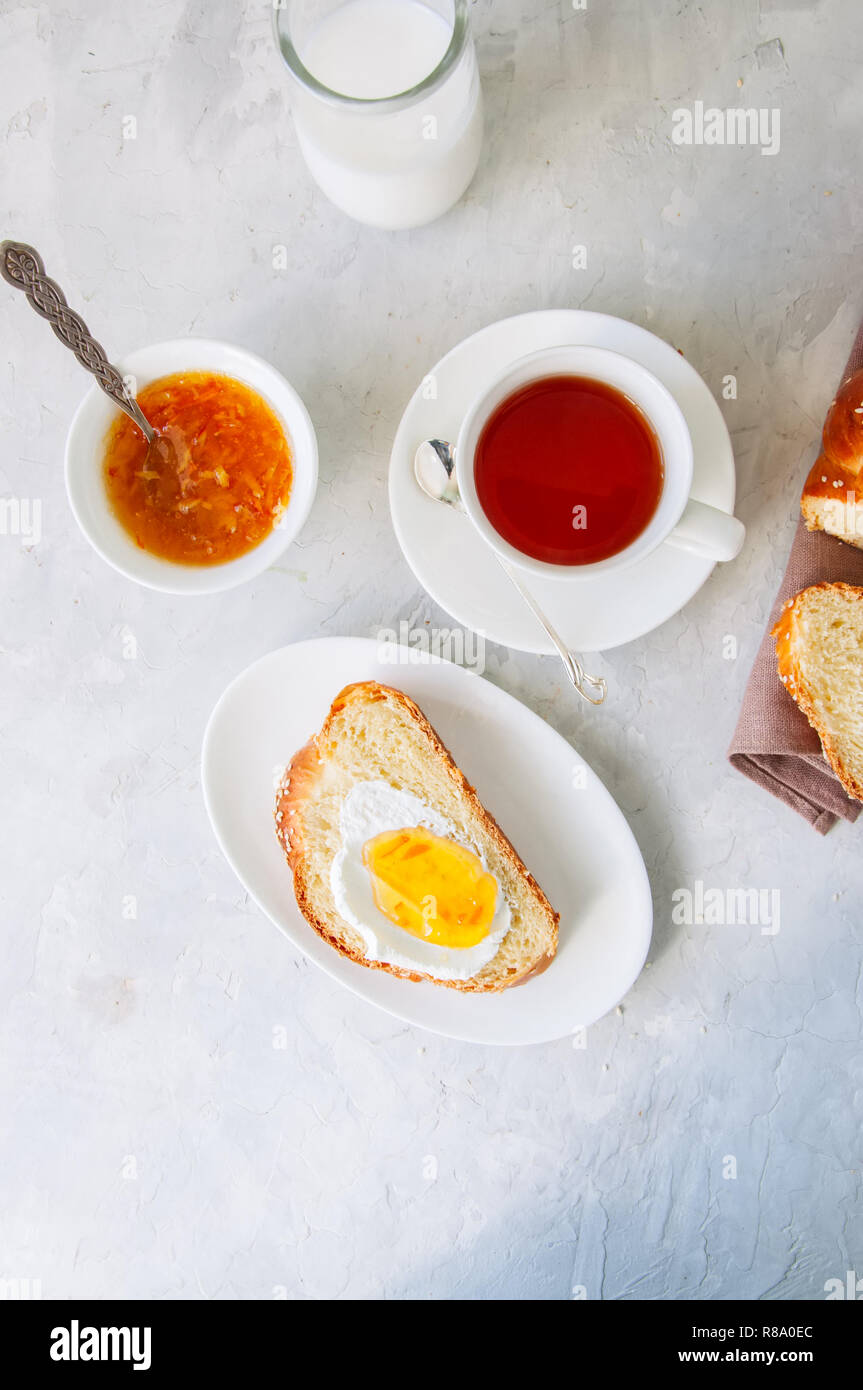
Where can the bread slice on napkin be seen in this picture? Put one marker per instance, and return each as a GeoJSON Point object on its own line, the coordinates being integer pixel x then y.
{"type": "Point", "coordinates": [377, 736]}
{"type": "Point", "coordinates": [819, 647]}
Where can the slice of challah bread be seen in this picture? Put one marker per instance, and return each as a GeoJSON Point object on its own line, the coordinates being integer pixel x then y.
{"type": "Point", "coordinates": [819, 647]}
{"type": "Point", "coordinates": [832, 498]}
{"type": "Point", "coordinates": [375, 732]}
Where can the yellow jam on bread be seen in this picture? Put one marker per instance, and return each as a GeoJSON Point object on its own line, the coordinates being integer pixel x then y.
{"type": "Point", "coordinates": [432, 887]}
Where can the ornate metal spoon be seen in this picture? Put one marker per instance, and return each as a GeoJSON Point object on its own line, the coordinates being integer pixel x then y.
{"type": "Point", "coordinates": [434, 470]}
{"type": "Point", "coordinates": [22, 266]}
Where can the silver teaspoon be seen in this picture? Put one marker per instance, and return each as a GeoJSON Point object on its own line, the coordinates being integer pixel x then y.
{"type": "Point", "coordinates": [434, 470]}
{"type": "Point", "coordinates": [22, 267]}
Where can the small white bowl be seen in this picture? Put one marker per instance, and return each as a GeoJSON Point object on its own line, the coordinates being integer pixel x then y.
{"type": "Point", "coordinates": [85, 485]}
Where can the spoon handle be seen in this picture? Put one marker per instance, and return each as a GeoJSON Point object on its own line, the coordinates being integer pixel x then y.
{"type": "Point", "coordinates": [22, 267]}
{"type": "Point", "coordinates": [583, 682]}
{"type": "Point", "coordinates": [434, 470]}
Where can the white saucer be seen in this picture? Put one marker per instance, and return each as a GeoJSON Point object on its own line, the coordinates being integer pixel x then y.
{"type": "Point", "coordinates": [455, 565]}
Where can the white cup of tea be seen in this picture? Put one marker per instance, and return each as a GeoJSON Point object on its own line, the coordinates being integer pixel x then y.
{"type": "Point", "coordinates": [577, 461]}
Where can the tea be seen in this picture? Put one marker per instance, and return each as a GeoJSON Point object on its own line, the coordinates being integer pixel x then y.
{"type": "Point", "coordinates": [568, 470]}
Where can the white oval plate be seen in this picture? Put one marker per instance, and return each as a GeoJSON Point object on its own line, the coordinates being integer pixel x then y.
{"type": "Point", "coordinates": [456, 566]}
{"type": "Point", "coordinates": [562, 821]}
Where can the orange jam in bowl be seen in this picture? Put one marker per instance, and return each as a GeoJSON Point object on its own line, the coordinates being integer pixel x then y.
{"type": "Point", "coordinates": [218, 481]}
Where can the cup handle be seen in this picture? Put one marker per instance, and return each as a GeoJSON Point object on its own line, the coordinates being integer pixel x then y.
{"type": "Point", "coordinates": [707, 531]}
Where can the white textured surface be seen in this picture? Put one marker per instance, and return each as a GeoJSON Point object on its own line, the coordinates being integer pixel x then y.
{"type": "Point", "coordinates": [157, 1139]}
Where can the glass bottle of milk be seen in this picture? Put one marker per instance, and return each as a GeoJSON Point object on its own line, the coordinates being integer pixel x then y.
{"type": "Point", "coordinates": [386, 103]}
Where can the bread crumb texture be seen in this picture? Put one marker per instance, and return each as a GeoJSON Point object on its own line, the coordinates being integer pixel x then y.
{"type": "Point", "coordinates": [819, 649]}
{"type": "Point", "coordinates": [375, 732]}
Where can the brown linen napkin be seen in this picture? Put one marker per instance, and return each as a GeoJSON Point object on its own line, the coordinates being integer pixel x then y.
{"type": "Point", "coordinates": [774, 744]}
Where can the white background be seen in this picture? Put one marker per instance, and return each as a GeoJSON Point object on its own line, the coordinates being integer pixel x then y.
{"type": "Point", "coordinates": [156, 1142]}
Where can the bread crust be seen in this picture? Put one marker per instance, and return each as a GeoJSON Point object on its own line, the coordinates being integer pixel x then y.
{"type": "Point", "coordinates": [298, 783]}
{"type": "Point", "coordinates": [837, 473]}
{"type": "Point", "coordinates": [791, 675]}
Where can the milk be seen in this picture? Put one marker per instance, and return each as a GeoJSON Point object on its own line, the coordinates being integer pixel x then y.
{"type": "Point", "coordinates": [391, 168]}
{"type": "Point", "coordinates": [376, 48]}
